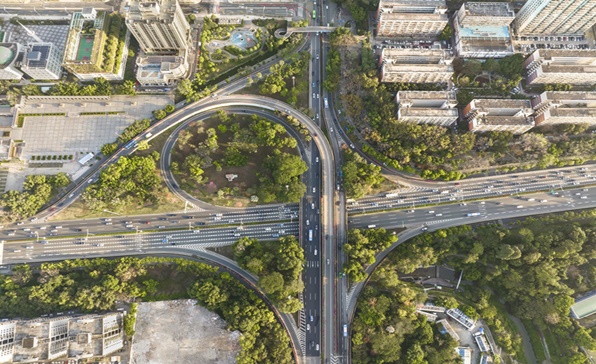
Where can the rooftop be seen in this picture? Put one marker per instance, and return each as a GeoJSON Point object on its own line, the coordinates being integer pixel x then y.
{"type": "Point", "coordinates": [8, 52]}
{"type": "Point", "coordinates": [489, 9]}
{"type": "Point", "coordinates": [585, 306]}
{"type": "Point", "coordinates": [415, 56]}
{"type": "Point", "coordinates": [151, 10]}
{"type": "Point", "coordinates": [484, 31]}
{"type": "Point", "coordinates": [550, 54]}
{"type": "Point", "coordinates": [38, 55]}
{"type": "Point", "coordinates": [504, 104]}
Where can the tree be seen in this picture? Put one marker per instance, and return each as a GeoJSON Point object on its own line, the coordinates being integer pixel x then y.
{"type": "Point", "coordinates": [169, 108]}
{"type": "Point", "coordinates": [159, 114]}
{"type": "Point", "coordinates": [108, 149]}
{"type": "Point", "coordinates": [126, 88]}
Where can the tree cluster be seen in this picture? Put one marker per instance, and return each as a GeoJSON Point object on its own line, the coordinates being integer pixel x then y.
{"type": "Point", "coordinates": [359, 9]}
{"type": "Point", "coordinates": [281, 74]}
{"type": "Point", "coordinates": [37, 191]}
{"type": "Point", "coordinates": [358, 176]}
{"type": "Point", "coordinates": [133, 130]}
{"type": "Point", "coordinates": [278, 265]}
{"type": "Point", "coordinates": [386, 328]}
{"type": "Point", "coordinates": [362, 247]}
{"type": "Point", "coordinates": [534, 266]}
{"type": "Point", "coordinates": [92, 285]}
{"type": "Point", "coordinates": [114, 43]}
{"type": "Point", "coordinates": [280, 181]}
{"type": "Point", "coordinates": [128, 182]}
{"type": "Point", "coordinates": [99, 87]}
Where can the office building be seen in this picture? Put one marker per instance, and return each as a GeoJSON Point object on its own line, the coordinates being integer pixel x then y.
{"type": "Point", "coordinates": [42, 61]}
{"type": "Point", "coordinates": [416, 65]}
{"type": "Point", "coordinates": [159, 26]}
{"type": "Point", "coordinates": [565, 107]}
{"type": "Point", "coordinates": [575, 67]}
{"type": "Point", "coordinates": [515, 116]}
{"type": "Point", "coordinates": [482, 30]}
{"type": "Point", "coordinates": [411, 18]}
{"type": "Point", "coordinates": [427, 107]}
{"type": "Point", "coordinates": [10, 55]}
{"type": "Point", "coordinates": [559, 17]}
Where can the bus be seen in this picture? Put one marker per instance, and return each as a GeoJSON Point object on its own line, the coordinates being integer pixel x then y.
{"type": "Point", "coordinates": [314, 14]}
{"type": "Point", "coordinates": [130, 144]}
{"type": "Point", "coordinates": [309, 235]}
{"type": "Point", "coordinates": [345, 330]}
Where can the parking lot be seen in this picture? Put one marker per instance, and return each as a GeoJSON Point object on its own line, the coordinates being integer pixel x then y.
{"type": "Point", "coordinates": [529, 44]}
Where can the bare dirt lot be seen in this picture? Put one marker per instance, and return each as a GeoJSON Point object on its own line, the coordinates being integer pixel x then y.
{"type": "Point", "coordinates": [179, 332]}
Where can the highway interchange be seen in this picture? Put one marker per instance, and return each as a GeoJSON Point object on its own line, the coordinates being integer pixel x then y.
{"type": "Point", "coordinates": [329, 300]}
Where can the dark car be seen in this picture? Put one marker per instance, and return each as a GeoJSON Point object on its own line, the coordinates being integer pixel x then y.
{"type": "Point", "coordinates": [200, 223]}
{"type": "Point", "coordinates": [189, 217]}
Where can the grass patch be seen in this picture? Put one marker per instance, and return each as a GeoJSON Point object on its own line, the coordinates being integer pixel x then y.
{"type": "Point", "coordinates": [21, 117]}
{"type": "Point", "coordinates": [535, 340]}
{"type": "Point", "coordinates": [169, 203]}
{"type": "Point", "coordinates": [173, 284]}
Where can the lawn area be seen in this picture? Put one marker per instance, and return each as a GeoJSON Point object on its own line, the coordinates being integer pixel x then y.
{"type": "Point", "coordinates": [535, 340]}
{"type": "Point", "coordinates": [215, 144]}
{"type": "Point", "coordinates": [78, 210]}
{"type": "Point", "coordinates": [173, 283]}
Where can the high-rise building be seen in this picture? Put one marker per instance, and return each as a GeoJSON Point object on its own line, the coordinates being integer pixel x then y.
{"type": "Point", "coordinates": [409, 18]}
{"type": "Point", "coordinates": [566, 17]}
{"type": "Point", "coordinates": [427, 107]}
{"type": "Point", "coordinates": [159, 26]}
{"type": "Point", "coordinates": [484, 115]}
{"type": "Point", "coordinates": [9, 54]}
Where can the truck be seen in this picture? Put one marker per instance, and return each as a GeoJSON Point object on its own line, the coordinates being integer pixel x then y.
{"type": "Point", "coordinates": [310, 235]}
{"type": "Point", "coordinates": [326, 103]}
{"type": "Point", "coordinates": [372, 226]}
{"type": "Point", "coordinates": [391, 195]}
{"type": "Point", "coordinates": [473, 214]}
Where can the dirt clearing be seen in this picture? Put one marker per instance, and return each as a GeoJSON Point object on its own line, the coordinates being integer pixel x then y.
{"type": "Point", "coordinates": [179, 332]}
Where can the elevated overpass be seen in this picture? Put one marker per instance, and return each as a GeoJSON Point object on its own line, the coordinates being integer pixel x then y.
{"type": "Point", "coordinates": [284, 33]}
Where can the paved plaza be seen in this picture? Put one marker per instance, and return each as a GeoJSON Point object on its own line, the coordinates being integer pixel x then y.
{"type": "Point", "coordinates": [77, 133]}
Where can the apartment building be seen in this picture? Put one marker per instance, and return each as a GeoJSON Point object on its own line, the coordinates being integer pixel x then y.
{"type": "Point", "coordinates": [161, 70]}
{"type": "Point", "coordinates": [416, 65]}
{"type": "Point", "coordinates": [565, 107]}
{"type": "Point", "coordinates": [413, 18]}
{"type": "Point", "coordinates": [484, 115]}
{"type": "Point", "coordinates": [575, 67]}
{"type": "Point", "coordinates": [427, 107]}
{"type": "Point", "coordinates": [482, 30]}
{"type": "Point", "coordinates": [159, 26]}
{"type": "Point", "coordinates": [560, 17]}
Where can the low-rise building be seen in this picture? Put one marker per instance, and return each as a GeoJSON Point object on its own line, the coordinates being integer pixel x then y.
{"type": "Point", "coordinates": [565, 107]}
{"type": "Point", "coordinates": [482, 343]}
{"type": "Point", "coordinates": [482, 30]}
{"type": "Point", "coordinates": [42, 61]}
{"type": "Point", "coordinates": [575, 67]}
{"type": "Point", "coordinates": [411, 18]}
{"type": "Point", "coordinates": [427, 107]}
{"type": "Point", "coordinates": [461, 318]}
{"type": "Point", "coordinates": [64, 337]}
{"type": "Point", "coordinates": [465, 353]}
{"type": "Point", "coordinates": [484, 115]}
{"type": "Point", "coordinates": [585, 306]}
{"type": "Point", "coordinates": [416, 65]}
{"type": "Point", "coordinates": [10, 54]}
{"type": "Point", "coordinates": [161, 70]}
{"type": "Point", "coordinates": [447, 329]}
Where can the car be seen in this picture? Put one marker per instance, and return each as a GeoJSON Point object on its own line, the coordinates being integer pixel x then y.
{"type": "Point", "coordinates": [43, 242]}
{"type": "Point", "coordinates": [20, 223]}
{"type": "Point", "coordinates": [33, 219]}
{"type": "Point", "coordinates": [543, 201]}
{"type": "Point", "coordinates": [315, 251]}
{"type": "Point", "coordinates": [438, 215]}
{"type": "Point", "coordinates": [431, 212]}
{"type": "Point", "coordinates": [148, 222]}
{"type": "Point", "coordinates": [312, 205]}
{"type": "Point", "coordinates": [314, 190]}
{"type": "Point", "coordinates": [70, 196]}
{"type": "Point", "coordinates": [317, 56]}
{"type": "Point", "coordinates": [584, 197]}
{"type": "Point", "coordinates": [108, 223]}
{"type": "Point", "coordinates": [307, 222]}
{"type": "Point", "coordinates": [409, 211]}
{"type": "Point", "coordinates": [161, 227]}
{"type": "Point", "coordinates": [312, 318]}
{"type": "Point", "coordinates": [424, 228]}
{"type": "Point", "coordinates": [189, 217]}
{"type": "Point", "coordinates": [327, 261]}
{"type": "Point", "coordinates": [99, 244]}
{"type": "Point", "coordinates": [519, 207]}
{"type": "Point", "coordinates": [352, 146]}
{"type": "Point", "coordinates": [163, 218]}
{"type": "Point", "coordinates": [463, 204]}
{"type": "Point", "coordinates": [313, 95]}
{"type": "Point", "coordinates": [307, 327]}
{"type": "Point", "coordinates": [317, 347]}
